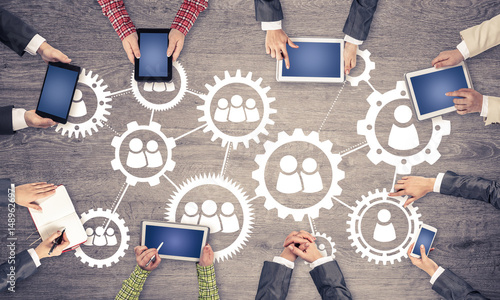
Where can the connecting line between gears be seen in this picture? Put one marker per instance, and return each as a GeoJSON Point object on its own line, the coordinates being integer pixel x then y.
{"type": "Point", "coordinates": [331, 107]}
{"type": "Point", "coordinates": [111, 128]}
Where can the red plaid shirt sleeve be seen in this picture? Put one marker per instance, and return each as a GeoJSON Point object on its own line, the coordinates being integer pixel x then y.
{"type": "Point", "coordinates": [118, 16]}
{"type": "Point", "coordinates": [187, 14]}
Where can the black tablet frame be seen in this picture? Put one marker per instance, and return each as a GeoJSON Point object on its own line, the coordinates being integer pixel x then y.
{"type": "Point", "coordinates": [137, 77]}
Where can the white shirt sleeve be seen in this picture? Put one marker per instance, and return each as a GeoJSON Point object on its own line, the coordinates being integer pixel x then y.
{"type": "Point", "coordinates": [436, 275]}
{"type": "Point", "coordinates": [283, 261]}
{"type": "Point", "coordinates": [271, 25]}
{"type": "Point", "coordinates": [34, 44]}
{"type": "Point", "coordinates": [350, 39]}
{"type": "Point", "coordinates": [35, 257]}
{"type": "Point", "coordinates": [18, 121]}
{"type": "Point", "coordinates": [320, 261]}
{"type": "Point", "coordinates": [437, 183]}
{"type": "Point", "coordinates": [484, 109]}
{"type": "Point", "coordinates": [462, 47]}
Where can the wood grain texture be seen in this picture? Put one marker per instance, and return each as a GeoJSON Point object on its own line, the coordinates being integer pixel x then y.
{"type": "Point", "coordinates": [405, 36]}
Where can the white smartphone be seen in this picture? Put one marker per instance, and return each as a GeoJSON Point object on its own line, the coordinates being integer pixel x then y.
{"type": "Point", "coordinates": [424, 237]}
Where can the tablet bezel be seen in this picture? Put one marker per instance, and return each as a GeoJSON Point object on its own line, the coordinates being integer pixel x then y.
{"type": "Point", "coordinates": [411, 93]}
{"type": "Point", "coordinates": [279, 63]}
{"type": "Point", "coordinates": [49, 115]}
{"type": "Point", "coordinates": [205, 230]}
{"type": "Point", "coordinates": [137, 77]}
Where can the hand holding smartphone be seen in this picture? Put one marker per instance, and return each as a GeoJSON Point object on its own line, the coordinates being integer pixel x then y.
{"type": "Point", "coordinates": [425, 237]}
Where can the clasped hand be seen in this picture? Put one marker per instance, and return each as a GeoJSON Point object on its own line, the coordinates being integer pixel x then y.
{"type": "Point", "coordinates": [300, 244]}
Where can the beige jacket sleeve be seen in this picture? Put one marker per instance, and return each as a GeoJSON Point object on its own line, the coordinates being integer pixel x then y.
{"type": "Point", "coordinates": [493, 111]}
{"type": "Point", "coordinates": [483, 36]}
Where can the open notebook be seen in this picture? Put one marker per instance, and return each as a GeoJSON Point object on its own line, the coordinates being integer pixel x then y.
{"type": "Point", "coordinates": [58, 213]}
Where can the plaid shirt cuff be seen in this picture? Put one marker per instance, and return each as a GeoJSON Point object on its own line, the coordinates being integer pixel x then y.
{"type": "Point", "coordinates": [132, 287]}
{"type": "Point", "coordinates": [187, 14]}
{"type": "Point", "coordinates": [207, 284]}
{"type": "Point", "coordinates": [118, 16]}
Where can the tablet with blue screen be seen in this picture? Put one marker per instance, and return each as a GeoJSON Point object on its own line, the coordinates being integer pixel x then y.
{"type": "Point", "coordinates": [316, 60]}
{"type": "Point", "coordinates": [154, 64]}
{"type": "Point", "coordinates": [427, 89]}
{"type": "Point", "coordinates": [180, 241]}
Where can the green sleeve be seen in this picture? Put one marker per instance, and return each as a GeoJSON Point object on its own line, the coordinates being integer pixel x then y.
{"type": "Point", "coordinates": [132, 287]}
{"type": "Point", "coordinates": [207, 285]}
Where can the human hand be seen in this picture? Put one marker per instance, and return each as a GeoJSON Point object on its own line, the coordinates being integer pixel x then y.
{"type": "Point", "coordinates": [51, 54]}
{"type": "Point", "coordinates": [175, 43]}
{"type": "Point", "coordinates": [27, 194]}
{"type": "Point", "coordinates": [350, 51]}
{"type": "Point", "coordinates": [424, 262]}
{"type": "Point", "coordinates": [143, 255]}
{"type": "Point", "coordinates": [414, 186]}
{"type": "Point", "coordinates": [43, 249]}
{"type": "Point", "coordinates": [131, 47]}
{"type": "Point", "coordinates": [303, 238]}
{"type": "Point", "coordinates": [471, 102]}
{"type": "Point", "coordinates": [447, 59]}
{"type": "Point", "coordinates": [276, 41]}
{"type": "Point", "coordinates": [309, 254]}
{"type": "Point", "coordinates": [34, 120]}
{"type": "Point", "coordinates": [207, 258]}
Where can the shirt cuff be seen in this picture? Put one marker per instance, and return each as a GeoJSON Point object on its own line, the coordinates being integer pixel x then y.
{"type": "Point", "coordinates": [462, 47]}
{"type": "Point", "coordinates": [283, 261]}
{"type": "Point", "coordinates": [437, 183]}
{"type": "Point", "coordinates": [352, 40]}
{"type": "Point", "coordinates": [436, 275]}
{"type": "Point", "coordinates": [271, 25]}
{"type": "Point", "coordinates": [18, 121]}
{"type": "Point", "coordinates": [484, 109]}
{"type": "Point", "coordinates": [34, 44]}
{"type": "Point", "coordinates": [35, 257]}
{"type": "Point", "coordinates": [320, 261]}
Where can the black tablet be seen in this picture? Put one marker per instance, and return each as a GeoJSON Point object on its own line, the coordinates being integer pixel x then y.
{"type": "Point", "coordinates": [57, 91]}
{"type": "Point", "coordinates": [154, 64]}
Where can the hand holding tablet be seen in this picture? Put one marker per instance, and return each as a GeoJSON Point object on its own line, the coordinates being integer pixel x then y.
{"type": "Point", "coordinates": [153, 65]}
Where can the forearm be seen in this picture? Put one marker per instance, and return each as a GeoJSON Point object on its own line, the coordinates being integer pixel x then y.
{"type": "Point", "coordinates": [471, 187]}
{"type": "Point", "coordinates": [207, 283]}
{"type": "Point", "coordinates": [187, 14]}
{"type": "Point", "coordinates": [132, 287]}
{"type": "Point", "coordinates": [118, 17]}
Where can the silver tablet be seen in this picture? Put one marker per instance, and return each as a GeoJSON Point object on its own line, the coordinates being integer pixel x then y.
{"type": "Point", "coordinates": [427, 89]}
{"type": "Point", "coordinates": [316, 60]}
{"type": "Point", "coordinates": [180, 241]}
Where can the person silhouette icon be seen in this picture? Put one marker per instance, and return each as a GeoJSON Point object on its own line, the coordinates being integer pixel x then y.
{"type": "Point", "coordinates": [228, 218]}
{"type": "Point", "coordinates": [288, 179]}
{"type": "Point", "coordinates": [222, 110]}
{"type": "Point", "coordinates": [136, 158]}
{"type": "Point", "coordinates": [322, 250]}
{"type": "Point", "coordinates": [191, 215]}
{"type": "Point", "coordinates": [170, 86]}
{"type": "Point", "coordinates": [384, 233]}
{"type": "Point", "coordinates": [100, 238]}
{"type": "Point", "coordinates": [148, 86]}
{"type": "Point", "coordinates": [153, 155]}
{"type": "Point", "coordinates": [310, 176]}
{"type": "Point", "coordinates": [209, 217]}
{"type": "Point", "coordinates": [111, 237]}
{"type": "Point", "coordinates": [90, 237]}
{"type": "Point", "coordinates": [403, 138]}
{"type": "Point", "coordinates": [78, 107]}
{"type": "Point", "coordinates": [159, 86]}
{"type": "Point", "coordinates": [251, 111]}
{"type": "Point", "coordinates": [237, 111]}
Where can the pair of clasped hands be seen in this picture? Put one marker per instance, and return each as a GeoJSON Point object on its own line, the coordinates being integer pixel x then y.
{"type": "Point", "coordinates": [300, 244]}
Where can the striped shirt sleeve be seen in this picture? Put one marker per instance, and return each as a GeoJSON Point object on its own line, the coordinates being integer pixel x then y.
{"type": "Point", "coordinates": [207, 285]}
{"type": "Point", "coordinates": [118, 16]}
{"type": "Point", "coordinates": [132, 287]}
{"type": "Point", "coordinates": [187, 14]}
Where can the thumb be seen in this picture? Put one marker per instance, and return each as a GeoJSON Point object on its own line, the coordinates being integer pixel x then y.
{"type": "Point", "coordinates": [34, 206]}
{"type": "Point", "coordinates": [54, 236]}
{"type": "Point", "coordinates": [296, 251]}
{"type": "Point", "coordinates": [422, 252]}
{"type": "Point", "coordinates": [171, 48]}
{"type": "Point", "coordinates": [62, 57]}
{"type": "Point", "coordinates": [291, 44]}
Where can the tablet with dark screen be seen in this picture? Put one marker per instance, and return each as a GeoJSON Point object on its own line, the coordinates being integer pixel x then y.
{"type": "Point", "coordinates": [154, 64]}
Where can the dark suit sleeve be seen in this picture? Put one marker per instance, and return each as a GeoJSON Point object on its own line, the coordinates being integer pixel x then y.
{"type": "Point", "coordinates": [6, 120]}
{"type": "Point", "coordinates": [24, 267]}
{"type": "Point", "coordinates": [4, 191]}
{"type": "Point", "coordinates": [450, 286]}
{"type": "Point", "coordinates": [268, 10]}
{"type": "Point", "coordinates": [14, 33]}
{"type": "Point", "coordinates": [274, 281]}
{"type": "Point", "coordinates": [471, 187]}
{"type": "Point", "coordinates": [360, 18]}
{"type": "Point", "coordinates": [330, 282]}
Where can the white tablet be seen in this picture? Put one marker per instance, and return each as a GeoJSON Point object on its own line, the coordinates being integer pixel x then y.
{"type": "Point", "coordinates": [316, 60]}
{"type": "Point", "coordinates": [428, 87]}
{"type": "Point", "coordinates": [180, 241]}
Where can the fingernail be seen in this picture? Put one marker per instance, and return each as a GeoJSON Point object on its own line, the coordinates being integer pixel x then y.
{"type": "Point", "coordinates": [290, 247]}
{"type": "Point", "coordinates": [422, 246]}
{"type": "Point", "coordinates": [447, 94]}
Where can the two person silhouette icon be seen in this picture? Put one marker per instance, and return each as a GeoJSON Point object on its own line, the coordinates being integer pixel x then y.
{"type": "Point", "coordinates": [290, 181]}
{"type": "Point", "coordinates": [137, 158]}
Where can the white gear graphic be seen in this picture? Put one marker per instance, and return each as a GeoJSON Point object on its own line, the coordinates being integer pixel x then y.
{"type": "Point", "coordinates": [118, 141]}
{"type": "Point", "coordinates": [359, 242]}
{"type": "Point", "coordinates": [124, 239]}
{"type": "Point", "coordinates": [369, 65]}
{"type": "Point", "coordinates": [377, 153]}
{"type": "Point", "coordinates": [329, 239]}
{"type": "Point", "coordinates": [266, 102]}
{"type": "Point", "coordinates": [100, 113]}
{"type": "Point", "coordinates": [298, 136]}
{"type": "Point", "coordinates": [232, 187]}
{"type": "Point", "coordinates": [163, 106]}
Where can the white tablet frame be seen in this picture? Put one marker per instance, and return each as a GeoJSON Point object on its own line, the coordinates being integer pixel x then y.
{"type": "Point", "coordinates": [205, 230]}
{"type": "Point", "coordinates": [436, 113]}
{"type": "Point", "coordinates": [279, 63]}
